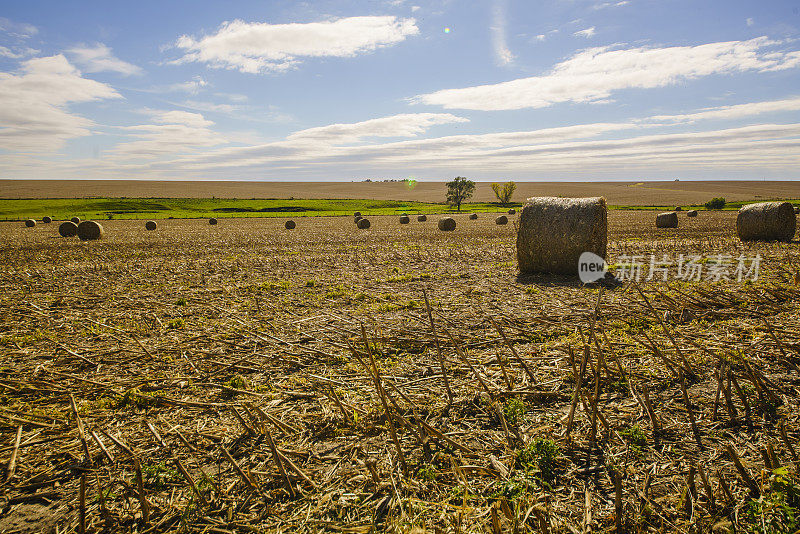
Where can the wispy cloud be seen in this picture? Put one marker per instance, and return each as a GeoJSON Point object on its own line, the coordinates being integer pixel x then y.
{"type": "Point", "coordinates": [737, 111]}
{"type": "Point", "coordinates": [173, 132]}
{"type": "Point", "coordinates": [502, 54]}
{"type": "Point", "coordinates": [19, 30]}
{"type": "Point", "coordinates": [99, 58]}
{"type": "Point", "coordinates": [34, 115]}
{"type": "Point", "coordinates": [192, 86]}
{"type": "Point", "coordinates": [257, 47]}
{"type": "Point", "coordinates": [750, 21]}
{"type": "Point", "coordinates": [592, 75]}
{"type": "Point", "coordinates": [588, 32]}
{"type": "Point", "coordinates": [17, 53]}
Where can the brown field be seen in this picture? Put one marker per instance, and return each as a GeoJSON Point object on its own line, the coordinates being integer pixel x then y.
{"type": "Point", "coordinates": [217, 379]}
{"type": "Point", "coordinates": [617, 193]}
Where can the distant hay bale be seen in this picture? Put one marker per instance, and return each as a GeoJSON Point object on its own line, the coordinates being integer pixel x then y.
{"type": "Point", "coordinates": [766, 221]}
{"type": "Point", "coordinates": [357, 218]}
{"type": "Point", "coordinates": [90, 230]}
{"type": "Point", "coordinates": [473, 216]}
{"type": "Point", "coordinates": [554, 232]}
{"type": "Point", "coordinates": [212, 221]}
{"type": "Point", "coordinates": [512, 211]}
{"type": "Point", "coordinates": [30, 223]}
{"type": "Point", "coordinates": [422, 218]}
{"type": "Point", "coordinates": [668, 219]}
{"type": "Point", "coordinates": [404, 219]}
{"type": "Point", "coordinates": [501, 220]}
{"type": "Point", "coordinates": [691, 213]}
{"type": "Point", "coordinates": [796, 210]}
{"type": "Point", "coordinates": [357, 214]}
{"type": "Point", "coordinates": [150, 225]}
{"type": "Point", "coordinates": [68, 229]}
{"type": "Point", "coordinates": [46, 220]}
{"type": "Point", "coordinates": [290, 225]}
{"type": "Point", "coordinates": [447, 224]}
{"type": "Point", "coordinates": [363, 224]}
{"type": "Point", "coordinates": [678, 208]}
{"type": "Point", "coordinates": [76, 220]}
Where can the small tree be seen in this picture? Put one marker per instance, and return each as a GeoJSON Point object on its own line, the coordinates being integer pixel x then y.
{"type": "Point", "coordinates": [716, 203]}
{"type": "Point", "coordinates": [459, 190]}
{"type": "Point", "coordinates": [504, 192]}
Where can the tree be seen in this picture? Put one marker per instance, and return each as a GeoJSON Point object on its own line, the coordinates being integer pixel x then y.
{"type": "Point", "coordinates": [504, 192]}
{"type": "Point", "coordinates": [459, 190]}
{"type": "Point", "coordinates": [716, 203]}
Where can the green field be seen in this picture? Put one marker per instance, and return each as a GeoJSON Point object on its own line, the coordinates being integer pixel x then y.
{"type": "Point", "coordinates": [187, 208]}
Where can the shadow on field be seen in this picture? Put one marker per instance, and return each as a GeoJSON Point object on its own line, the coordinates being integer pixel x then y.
{"type": "Point", "coordinates": [558, 280]}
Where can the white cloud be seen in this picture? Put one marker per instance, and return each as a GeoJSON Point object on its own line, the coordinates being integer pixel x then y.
{"type": "Point", "coordinates": [414, 9]}
{"type": "Point", "coordinates": [750, 21]}
{"type": "Point", "coordinates": [737, 111]}
{"type": "Point", "coordinates": [99, 58]}
{"type": "Point", "coordinates": [403, 125]}
{"type": "Point", "coordinates": [502, 54]}
{"type": "Point", "coordinates": [604, 5]}
{"type": "Point", "coordinates": [592, 75]}
{"type": "Point", "coordinates": [34, 101]}
{"type": "Point", "coordinates": [262, 47]}
{"type": "Point", "coordinates": [192, 87]}
{"type": "Point", "coordinates": [19, 30]}
{"type": "Point", "coordinates": [588, 32]}
{"type": "Point", "coordinates": [540, 37]}
{"type": "Point", "coordinates": [18, 54]}
{"type": "Point", "coordinates": [174, 132]}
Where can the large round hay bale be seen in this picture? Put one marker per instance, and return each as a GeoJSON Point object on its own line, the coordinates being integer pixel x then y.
{"type": "Point", "coordinates": [290, 225]}
{"type": "Point", "coordinates": [46, 220]}
{"type": "Point", "coordinates": [501, 220]}
{"type": "Point", "coordinates": [357, 214]}
{"type": "Point", "coordinates": [473, 216]}
{"type": "Point", "coordinates": [678, 208]}
{"type": "Point", "coordinates": [30, 223]}
{"type": "Point", "coordinates": [691, 213]}
{"type": "Point", "coordinates": [404, 219]}
{"type": "Point", "coordinates": [512, 212]}
{"type": "Point", "coordinates": [668, 219]}
{"type": "Point", "coordinates": [554, 232]}
{"type": "Point", "coordinates": [76, 220]}
{"type": "Point", "coordinates": [150, 225]}
{"type": "Point", "coordinates": [89, 230]}
{"type": "Point", "coordinates": [212, 220]}
{"type": "Point", "coordinates": [422, 218]}
{"type": "Point", "coordinates": [363, 224]}
{"type": "Point", "coordinates": [68, 229]}
{"type": "Point", "coordinates": [447, 224]}
{"type": "Point", "coordinates": [766, 221]}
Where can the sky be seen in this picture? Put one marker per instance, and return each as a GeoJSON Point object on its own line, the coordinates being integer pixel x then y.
{"type": "Point", "coordinates": [400, 89]}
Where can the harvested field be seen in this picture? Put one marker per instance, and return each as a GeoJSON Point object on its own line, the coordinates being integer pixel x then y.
{"type": "Point", "coordinates": [219, 379]}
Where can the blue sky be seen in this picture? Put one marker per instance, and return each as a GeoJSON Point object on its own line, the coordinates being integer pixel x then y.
{"type": "Point", "coordinates": [392, 89]}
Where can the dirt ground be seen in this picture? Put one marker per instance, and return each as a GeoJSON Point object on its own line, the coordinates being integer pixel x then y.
{"type": "Point", "coordinates": [246, 378]}
{"type": "Point", "coordinates": [616, 193]}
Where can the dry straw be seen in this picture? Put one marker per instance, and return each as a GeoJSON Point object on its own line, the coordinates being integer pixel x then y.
{"type": "Point", "coordinates": [68, 229]}
{"type": "Point", "coordinates": [89, 230]}
{"type": "Point", "coordinates": [363, 224]}
{"type": "Point", "coordinates": [554, 232]}
{"type": "Point", "coordinates": [46, 219]}
{"type": "Point", "coordinates": [447, 224]}
{"type": "Point", "coordinates": [404, 219]}
{"type": "Point", "coordinates": [422, 218]}
{"type": "Point", "coordinates": [691, 213]}
{"type": "Point", "coordinates": [212, 220]}
{"type": "Point", "coordinates": [473, 216]}
{"type": "Point", "coordinates": [30, 223]}
{"type": "Point", "coordinates": [290, 225]}
{"type": "Point", "coordinates": [766, 221]}
{"type": "Point", "coordinates": [150, 225]}
{"type": "Point", "coordinates": [668, 219]}
{"type": "Point", "coordinates": [501, 220]}
{"type": "Point", "coordinates": [76, 220]}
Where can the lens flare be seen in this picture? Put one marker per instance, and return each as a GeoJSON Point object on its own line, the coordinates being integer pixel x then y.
{"type": "Point", "coordinates": [447, 30]}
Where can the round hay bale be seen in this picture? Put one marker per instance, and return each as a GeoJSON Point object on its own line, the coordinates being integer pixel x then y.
{"type": "Point", "coordinates": [554, 232]}
{"type": "Point", "coordinates": [290, 225]}
{"type": "Point", "coordinates": [357, 218]}
{"type": "Point", "coordinates": [691, 213]}
{"type": "Point", "coordinates": [46, 220]}
{"type": "Point", "coordinates": [68, 229]}
{"type": "Point", "coordinates": [357, 214]}
{"type": "Point", "coordinates": [89, 230]}
{"type": "Point", "coordinates": [668, 219]}
{"type": "Point", "coordinates": [501, 220]}
{"type": "Point", "coordinates": [212, 221]}
{"type": "Point", "coordinates": [678, 208]}
{"type": "Point", "coordinates": [447, 224]}
{"type": "Point", "coordinates": [473, 216]}
{"type": "Point", "coordinates": [363, 224]}
{"type": "Point", "coordinates": [766, 221]}
{"type": "Point", "coordinates": [76, 220]}
{"type": "Point", "coordinates": [422, 218]}
{"type": "Point", "coordinates": [512, 211]}
{"type": "Point", "coordinates": [30, 223]}
{"type": "Point", "coordinates": [404, 219]}
{"type": "Point", "coordinates": [150, 225]}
